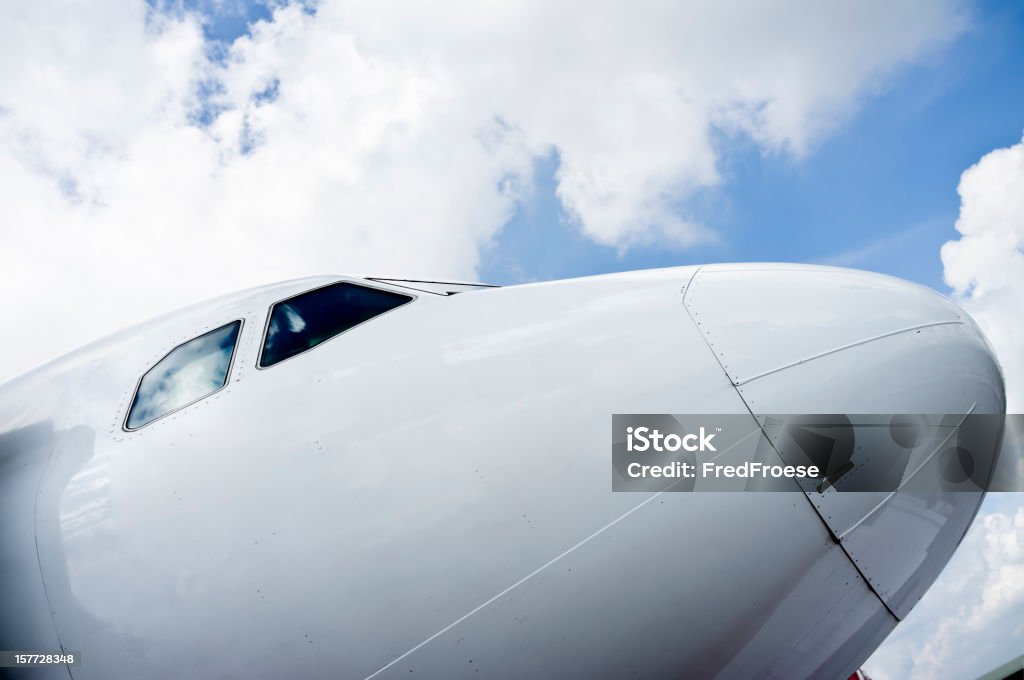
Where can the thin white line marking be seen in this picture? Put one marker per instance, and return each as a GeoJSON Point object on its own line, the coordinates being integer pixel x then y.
{"type": "Point", "coordinates": [744, 381]}
{"type": "Point", "coordinates": [516, 584]}
{"type": "Point", "coordinates": [536, 571]}
{"type": "Point", "coordinates": [910, 477]}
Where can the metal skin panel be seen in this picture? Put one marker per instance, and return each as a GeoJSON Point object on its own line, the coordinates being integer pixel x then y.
{"type": "Point", "coordinates": [427, 492]}
{"type": "Point", "coordinates": [764, 319]}
{"type": "Point", "coordinates": [900, 542]}
{"type": "Point", "coordinates": [24, 454]}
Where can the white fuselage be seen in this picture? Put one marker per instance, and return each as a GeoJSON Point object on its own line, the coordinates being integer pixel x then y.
{"type": "Point", "coordinates": [429, 493]}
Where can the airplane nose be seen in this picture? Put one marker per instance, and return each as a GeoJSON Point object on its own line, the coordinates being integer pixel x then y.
{"type": "Point", "coordinates": [855, 342]}
{"type": "Point", "coordinates": [824, 340]}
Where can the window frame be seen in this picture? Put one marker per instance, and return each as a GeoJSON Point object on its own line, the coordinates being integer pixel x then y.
{"type": "Point", "coordinates": [355, 282]}
{"type": "Point", "coordinates": [228, 374]}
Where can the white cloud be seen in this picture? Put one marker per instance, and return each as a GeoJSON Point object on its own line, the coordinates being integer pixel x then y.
{"type": "Point", "coordinates": [970, 621]}
{"type": "Point", "coordinates": [383, 137]}
{"type": "Point", "coordinates": [985, 266]}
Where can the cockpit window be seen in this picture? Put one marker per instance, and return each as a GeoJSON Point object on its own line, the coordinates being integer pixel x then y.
{"type": "Point", "coordinates": [304, 321]}
{"type": "Point", "coordinates": [189, 372]}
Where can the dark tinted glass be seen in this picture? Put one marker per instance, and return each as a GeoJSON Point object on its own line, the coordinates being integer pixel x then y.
{"type": "Point", "coordinates": [306, 320]}
{"type": "Point", "coordinates": [188, 373]}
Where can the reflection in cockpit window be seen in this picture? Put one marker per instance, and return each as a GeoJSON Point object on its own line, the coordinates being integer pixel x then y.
{"type": "Point", "coordinates": [188, 373]}
{"type": "Point", "coordinates": [306, 320]}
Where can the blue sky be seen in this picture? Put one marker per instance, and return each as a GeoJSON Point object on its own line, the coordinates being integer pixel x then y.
{"type": "Point", "coordinates": [878, 194]}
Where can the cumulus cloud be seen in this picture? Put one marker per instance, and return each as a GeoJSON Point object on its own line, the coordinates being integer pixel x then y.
{"type": "Point", "coordinates": [144, 167]}
{"type": "Point", "coordinates": [985, 266]}
{"type": "Point", "coordinates": [970, 621]}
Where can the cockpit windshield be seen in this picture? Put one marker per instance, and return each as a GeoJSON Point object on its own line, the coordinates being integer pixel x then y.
{"type": "Point", "coordinates": [188, 373]}
{"type": "Point", "coordinates": [304, 321]}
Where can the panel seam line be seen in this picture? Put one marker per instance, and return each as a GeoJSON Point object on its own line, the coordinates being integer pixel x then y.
{"type": "Point", "coordinates": [817, 513]}
{"type": "Point", "coordinates": [864, 341]}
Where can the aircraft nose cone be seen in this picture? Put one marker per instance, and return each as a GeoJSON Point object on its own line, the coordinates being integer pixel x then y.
{"type": "Point", "coordinates": [854, 342]}
{"type": "Point", "coordinates": [819, 340]}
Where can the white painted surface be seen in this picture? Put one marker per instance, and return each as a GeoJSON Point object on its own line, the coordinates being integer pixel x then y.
{"type": "Point", "coordinates": [375, 504]}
